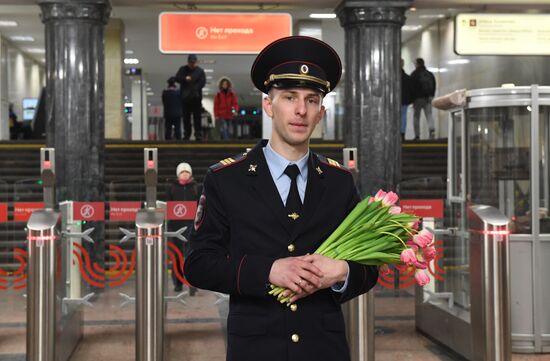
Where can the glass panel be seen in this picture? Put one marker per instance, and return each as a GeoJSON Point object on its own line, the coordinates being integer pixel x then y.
{"type": "Point", "coordinates": [499, 162]}
{"type": "Point", "coordinates": [544, 169]}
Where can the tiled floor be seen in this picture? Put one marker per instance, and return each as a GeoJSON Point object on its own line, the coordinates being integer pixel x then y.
{"type": "Point", "coordinates": [195, 331]}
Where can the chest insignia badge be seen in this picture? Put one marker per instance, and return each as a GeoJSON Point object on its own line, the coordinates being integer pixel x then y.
{"type": "Point", "coordinates": [252, 168]}
{"type": "Point", "coordinates": [294, 216]}
{"type": "Point", "coordinates": [318, 169]}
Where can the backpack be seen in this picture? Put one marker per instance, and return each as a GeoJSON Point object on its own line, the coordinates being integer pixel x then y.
{"type": "Point", "coordinates": [425, 82]}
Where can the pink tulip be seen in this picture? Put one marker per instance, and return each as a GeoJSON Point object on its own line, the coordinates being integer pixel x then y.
{"type": "Point", "coordinates": [384, 269]}
{"type": "Point", "coordinates": [390, 199]}
{"type": "Point", "coordinates": [371, 199]}
{"type": "Point", "coordinates": [428, 253]}
{"type": "Point", "coordinates": [379, 195]}
{"type": "Point", "coordinates": [420, 264]}
{"type": "Point", "coordinates": [395, 210]}
{"type": "Point", "coordinates": [423, 238]}
{"type": "Point", "coordinates": [408, 256]}
{"type": "Point", "coordinates": [421, 278]}
{"type": "Point", "coordinates": [414, 225]}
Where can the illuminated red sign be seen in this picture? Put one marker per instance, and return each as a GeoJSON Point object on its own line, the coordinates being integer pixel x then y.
{"type": "Point", "coordinates": [3, 212]}
{"type": "Point", "coordinates": [123, 211]}
{"type": "Point", "coordinates": [181, 210]}
{"type": "Point", "coordinates": [432, 208]}
{"type": "Point", "coordinates": [220, 33]}
{"type": "Point", "coordinates": [88, 211]}
{"type": "Point", "coordinates": [22, 210]}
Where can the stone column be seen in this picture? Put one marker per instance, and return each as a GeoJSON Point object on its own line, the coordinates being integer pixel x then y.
{"type": "Point", "coordinates": [373, 89]}
{"type": "Point", "coordinates": [75, 123]}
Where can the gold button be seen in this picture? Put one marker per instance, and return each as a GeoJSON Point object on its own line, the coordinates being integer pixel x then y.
{"type": "Point", "coordinates": [291, 247]}
{"type": "Point", "coordinates": [295, 338]}
{"type": "Point", "coordinates": [293, 307]}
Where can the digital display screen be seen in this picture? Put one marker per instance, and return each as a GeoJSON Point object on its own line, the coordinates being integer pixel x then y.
{"type": "Point", "coordinates": [29, 108]}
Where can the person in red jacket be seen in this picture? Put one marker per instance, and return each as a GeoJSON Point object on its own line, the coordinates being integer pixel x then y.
{"type": "Point", "coordinates": [225, 107]}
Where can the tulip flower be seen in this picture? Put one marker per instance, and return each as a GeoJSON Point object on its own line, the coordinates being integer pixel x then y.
{"type": "Point", "coordinates": [395, 210]}
{"type": "Point", "coordinates": [428, 253]}
{"type": "Point", "coordinates": [423, 238]}
{"type": "Point", "coordinates": [379, 195]}
{"type": "Point", "coordinates": [389, 199]}
{"type": "Point", "coordinates": [421, 278]}
{"type": "Point", "coordinates": [408, 256]}
{"type": "Point", "coordinates": [415, 225]}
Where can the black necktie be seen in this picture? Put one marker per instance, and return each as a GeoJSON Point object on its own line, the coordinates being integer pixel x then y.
{"type": "Point", "coordinates": [293, 201]}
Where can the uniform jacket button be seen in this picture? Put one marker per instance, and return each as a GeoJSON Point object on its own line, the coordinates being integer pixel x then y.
{"type": "Point", "coordinates": [295, 338]}
{"type": "Point", "coordinates": [293, 307]}
{"type": "Point", "coordinates": [291, 247]}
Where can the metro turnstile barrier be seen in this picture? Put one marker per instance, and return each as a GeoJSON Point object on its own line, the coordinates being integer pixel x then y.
{"type": "Point", "coordinates": [480, 330]}
{"type": "Point", "coordinates": [150, 269]}
{"type": "Point", "coordinates": [490, 284]}
{"type": "Point", "coordinates": [42, 273]}
{"type": "Point", "coordinates": [359, 312]}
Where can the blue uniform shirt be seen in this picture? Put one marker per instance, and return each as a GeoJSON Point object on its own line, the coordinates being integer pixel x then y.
{"type": "Point", "coordinates": [277, 165]}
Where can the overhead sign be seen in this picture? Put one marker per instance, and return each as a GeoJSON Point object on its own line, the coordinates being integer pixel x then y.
{"type": "Point", "coordinates": [181, 210]}
{"type": "Point", "coordinates": [432, 208]}
{"type": "Point", "coordinates": [220, 33]}
{"type": "Point", "coordinates": [22, 210]}
{"type": "Point", "coordinates": [502, 34]}
{"type": "Point", "coordinates": [123, 211]}
{"type": "Point", "coordinates": [89, 211]}
{"type": "Point", "coordinates": [3, 212]}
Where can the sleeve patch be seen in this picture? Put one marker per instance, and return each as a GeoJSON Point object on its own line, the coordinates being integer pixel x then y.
{"type": "Point", "coordinates": [201, 211]}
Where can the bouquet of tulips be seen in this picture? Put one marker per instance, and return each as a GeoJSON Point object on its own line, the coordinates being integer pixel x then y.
{"type": "Point", "coordinates": [377, 233]}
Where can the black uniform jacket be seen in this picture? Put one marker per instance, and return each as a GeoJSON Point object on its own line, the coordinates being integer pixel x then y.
{"type": "Point", "coordinates": [241, 228]}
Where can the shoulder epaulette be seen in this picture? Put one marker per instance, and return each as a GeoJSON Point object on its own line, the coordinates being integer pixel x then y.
{"type": "Point", "coordinates": [227, 162]}
{"type": "Point", "coordinates": [331, 162]}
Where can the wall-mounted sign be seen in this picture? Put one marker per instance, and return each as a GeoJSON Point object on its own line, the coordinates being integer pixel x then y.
{"type": "Point", "coordinates": [123, 211]}
{"type": "Point", "coordinates": [423, 207]}
{"type": "Point", "coordinates": [220, 33]}
{"type": "Point", "coordinates": [89, 211]}
{"type": "Point", "coordinates": [3, 212]}
{"type": "Point", "coordinates": [22, 210]}
{"type": "Point", "coordinates": [502, 34]}
{"type": "Point", "coordinates": [181, 210]}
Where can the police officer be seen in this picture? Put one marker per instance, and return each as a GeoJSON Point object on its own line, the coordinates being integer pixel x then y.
{"type": "Point", "coordinates": [263, 214]}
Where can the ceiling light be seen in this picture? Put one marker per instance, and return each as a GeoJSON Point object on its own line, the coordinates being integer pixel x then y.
{"type": "Point", "coordinates": [128, 104]}
{"type": "Point", "coordinates": [21, 38]}
{"type": "Point", "coordinates": [431, 16]}
{"type": "Point", "coordinates": [131, 61]}
{"type": "Point", "coordinates": [412, 8]}
{"type": "Point", "coordinates": [458, 61]}
{"type": "Point", "coordinates": [150, 94]}
{"type": "Point", "coordinates": [411, 27]}
{"type": "Point", "coordinates": [128, 52]}
{"type": "Point", "coordinates": [438, 70]}
{"type": "Point", "coordinates": [8, 23]}
{"type": "Point", "coordinates": [36, 50]}
{"type": "Point", "coordinates": [322, 16]}
{"type": "Point", "coordinates": [208, 70]}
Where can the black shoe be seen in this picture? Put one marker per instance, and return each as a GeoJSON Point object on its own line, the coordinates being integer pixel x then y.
{"type": "Point", "coordinates": [178, 288]}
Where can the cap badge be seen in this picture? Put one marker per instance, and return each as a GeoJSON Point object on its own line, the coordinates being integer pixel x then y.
{"type": "Point", "coordinates": [304, 69]}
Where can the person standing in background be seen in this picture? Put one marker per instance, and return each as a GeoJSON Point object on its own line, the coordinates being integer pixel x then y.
{"type": "Point", "coordinates": [406, 99]}
{"type": "Point", "coordinates": [183, 189]}
{"type": "Point", "coordinates": [171, 101]}
{"type": "Point", "coordinates": [423, 88]}
{"type": "Point", "coordinates": [192, 79]}
{"type": "Point", "coordinates": [225, 107]}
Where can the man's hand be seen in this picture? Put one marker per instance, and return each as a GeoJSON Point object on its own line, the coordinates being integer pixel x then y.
{"type": "Point", "coordinates": [295, 274]}
{"type": "Point", "coordinates": [334, 271]}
